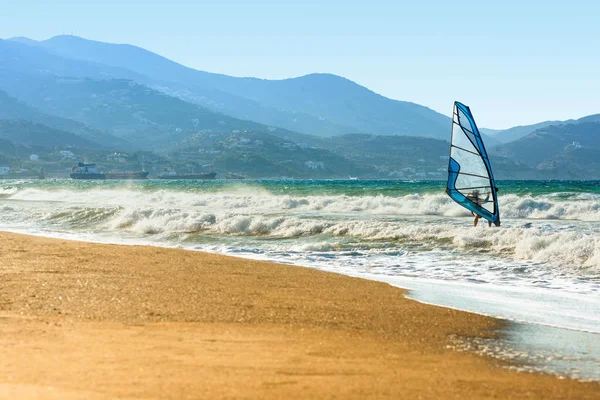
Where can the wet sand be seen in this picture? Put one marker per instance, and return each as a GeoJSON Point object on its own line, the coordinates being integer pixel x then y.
{"type": "Point", "coordinates": [81, 320]}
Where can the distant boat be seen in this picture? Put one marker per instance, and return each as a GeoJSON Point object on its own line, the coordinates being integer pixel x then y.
{"type": "Point", "coordinates": [90, 171]}
{"type": "Point", "coordinates": [171, 174]}
{"type": "Point", "coordinates": [86, 171]}
{"type": "Point", "coordinates": [353, 178]}
{"type": "Point", "coordinates": [470, 180]}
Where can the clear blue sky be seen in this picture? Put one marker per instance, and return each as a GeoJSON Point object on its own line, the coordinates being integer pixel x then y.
{"type": "Point", "coordinates": [513, 62]}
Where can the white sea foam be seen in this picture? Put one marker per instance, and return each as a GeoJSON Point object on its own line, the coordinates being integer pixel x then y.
{"type": "Point", "coordinates": [584, 207]}
{"type": "Point", "coordinates": [7, 191]}
{"type": "Point", "coordinates": [406, 220]}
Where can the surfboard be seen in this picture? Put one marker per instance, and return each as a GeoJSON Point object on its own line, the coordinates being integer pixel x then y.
{"type": "Point", "coordinates": [470, 180]}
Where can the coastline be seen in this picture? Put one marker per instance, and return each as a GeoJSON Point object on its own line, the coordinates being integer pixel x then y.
{"type": "Point", "coordinates": [93, 320]}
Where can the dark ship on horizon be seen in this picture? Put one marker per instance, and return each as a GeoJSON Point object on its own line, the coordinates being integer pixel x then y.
{"type": "Point", "coordinates": [90, 171]}
{"type": "Point", "coordinates": [171, 174]}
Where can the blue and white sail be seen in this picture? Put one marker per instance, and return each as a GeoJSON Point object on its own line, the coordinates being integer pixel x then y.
{"type": "Point", "coordinates": [470, 180]}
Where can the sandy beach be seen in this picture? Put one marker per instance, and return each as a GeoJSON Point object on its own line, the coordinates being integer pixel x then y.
{"type": "Point", "coordinates": [81, 320]}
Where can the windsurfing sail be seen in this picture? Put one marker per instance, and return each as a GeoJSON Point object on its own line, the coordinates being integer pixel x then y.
{"type": "Point", "coordinates": [470, 180]}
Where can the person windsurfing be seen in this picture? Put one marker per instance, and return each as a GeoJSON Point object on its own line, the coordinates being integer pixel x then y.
{"type": "Point", "coordinates": [475, 198]}
{"type": "Point", "coordinates": [470, 180]}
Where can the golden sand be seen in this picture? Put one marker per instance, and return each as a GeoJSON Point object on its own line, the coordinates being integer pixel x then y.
{"type": "Point", "coordinates": [81, 320]}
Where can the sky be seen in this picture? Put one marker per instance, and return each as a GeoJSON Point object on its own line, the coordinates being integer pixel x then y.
{"type": "Point", "coordinates": [513, 62]}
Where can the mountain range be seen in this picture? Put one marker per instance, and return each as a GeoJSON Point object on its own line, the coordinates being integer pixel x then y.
{"type": "Point", "coordinates": [565, 151]}
{"type": "Point", "coordinates": [317, 104]}
{"type": "Point", "coordinates": [517, 132]}
{"type": "Point", "coordinates": [13, 109]}
{"type": "Point", "coordinates": [82, 94]}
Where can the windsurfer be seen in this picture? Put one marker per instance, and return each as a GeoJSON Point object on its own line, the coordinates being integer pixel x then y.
{"type": "Point", "coordinates": [475, 198]}
{"type": "Point", "coordinates": [470, 180]}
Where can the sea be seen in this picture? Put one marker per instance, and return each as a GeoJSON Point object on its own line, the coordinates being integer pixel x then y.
{"type": "Point", "coordinates": [540, 270]}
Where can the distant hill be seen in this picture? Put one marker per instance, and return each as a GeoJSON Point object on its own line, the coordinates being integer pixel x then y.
{"type": "Point", "coordinates": [343, 102]}
{"type": "Point", "coordinates": [255, 154]}
{"type": "Point", "coordinates": [319, 104]}
{"type": "Point", "coordinates": [393, 155]}
{"type": "Point", "coordinates": [23, 58]}
{"type": "Point", "coordinates": [559, 146]}
{"type": "Point", "coordinates": [13, 109]}
{"type": "Point", "coordinates": [38, 136]}
{"type": "Point", "coordinates": [573, 163]}
{"type": "Point", "coordinates": [489, 132]}
{"type": "Point", "coordinates": [517, 132]}
{"type": "Point", "coordinates": [489, 141]}
{"type": "Point", "coordinates": [7, 152]}
{"type": "Point", "coordinates": [259, 155]}
{"type": "Point", "coordinates": [4, 160]}
{"type": "Point", "coordinates": [589, 118]}
{"type": "Point", "coordinates": [129, 111]}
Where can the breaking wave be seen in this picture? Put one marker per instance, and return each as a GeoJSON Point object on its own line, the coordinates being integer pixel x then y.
{"type": "Point", "coordinates": [560, 206]}
{"type": "Point", "coordinates": [408, 220]}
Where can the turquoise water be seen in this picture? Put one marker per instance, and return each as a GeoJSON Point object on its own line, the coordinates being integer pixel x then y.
{"type": "Point", "coordinates": [313, 187]}
{"type": "Point", "coordinates": [541, 266]}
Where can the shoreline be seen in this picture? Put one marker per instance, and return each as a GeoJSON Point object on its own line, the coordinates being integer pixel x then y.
{"type": "Point", "coordinates": [268, 330]}
{"type": "Point", "coordinates": [417, 293]}
{"type": "Point", "coordinates": [412, 285]}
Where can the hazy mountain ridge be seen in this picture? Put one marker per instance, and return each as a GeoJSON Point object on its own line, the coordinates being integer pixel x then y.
{"type": "Point", "coordinates": [259, 154]}
{"type": "Point", "coordinates": [8, 152]}
{"type": "Point", "coordinates": [407, 156]}
{"type": "Point", "coordinates": [13, 109]}
{"type": "Point", "coordinates": [183, 82]}
{"type": "Point", "coordinates": [573, 163]}
{"type": "Point", "coordinates": [518, 132]}
{"type": "Point", "coordinates": [66, 97]}
{"type": "Point", "coordinates": [71, 91]}
{"type": "Point", "coordinates": [34, 135]}
{"type": "Point", "coordinates": [362, 155]}
{"type": "Point", "coordinates": [554, 150]}
{"type": "Point", "coordinates": [17, 57]}
{"type": "Point", "coordinates": [127, 110]}
{"type": "Point", "coordinates": [333, 100]}
{"type": "Point", "coordinates": [393, 156]}
{"type": "Point", "coordinates": [248, 109]}
{"type": "Point", "coordinates": [343, 102]}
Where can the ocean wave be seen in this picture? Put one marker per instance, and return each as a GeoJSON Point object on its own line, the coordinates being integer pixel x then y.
{"type": "Point", "coordinates": [406, 221]}
{"type": "Point", "coordinates": [8, 191]}
{"type": "Point", "coordinates": [576, 249]}
{"type": "Point", "coordinates": [582, 206]}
